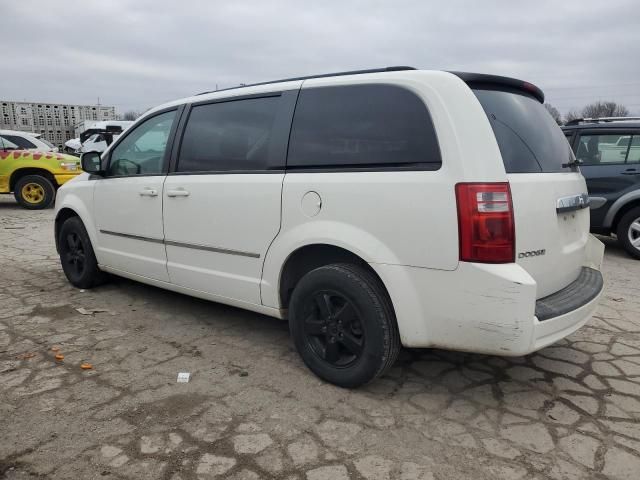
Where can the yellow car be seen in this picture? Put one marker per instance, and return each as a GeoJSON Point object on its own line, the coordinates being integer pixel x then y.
{"type": "Point", "coordinates": [34, 177]}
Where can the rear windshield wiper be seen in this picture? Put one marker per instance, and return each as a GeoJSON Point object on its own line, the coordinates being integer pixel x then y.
{"type": "Point", "coordinates": [574, 163]}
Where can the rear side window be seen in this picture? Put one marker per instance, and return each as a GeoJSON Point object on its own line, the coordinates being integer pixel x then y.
{"type": "Point", "coordinates": [530, 141]}
{"type": "Point", "coordinates": [595, 149]}
{"type": "Point", "coordinates": [20, 141]}
{"type": "Point", "coordinates": [228, 136]}
{"type": "Point", "coordinates": [362, 126]}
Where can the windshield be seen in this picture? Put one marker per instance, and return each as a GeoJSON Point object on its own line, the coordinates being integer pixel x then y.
{"type": "Point", "coordinates": [96, 138]}
{"type": "Point", "coordinates": [530, 141]}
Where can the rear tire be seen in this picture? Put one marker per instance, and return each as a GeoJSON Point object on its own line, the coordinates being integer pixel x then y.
{"type": "Point", "coordinates": [34, 192]}
{"type": "Point", "coordinates": [343, 325]}
{"type": "Point", "coordinates": [76, 255]}
{"type": "Point", "coordinates": [628, 232]}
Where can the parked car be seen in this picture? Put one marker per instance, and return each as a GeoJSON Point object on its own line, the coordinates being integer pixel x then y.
{"type": "Point", "coordinates": [98, 142]}
{"type": "Point", "coordinates": [73, 146]}
{"type": "Point", "coordinates": [609, 152]}
{"type": "Point", "coordinates": [371, 209]}
{"type": "Point", "coordinates": [87, 128]}
{"type": "Point", "coordinates": [28, 140]}
{"type": "Point", "coordinates": [34, 176]}
{"type": "Point", "coordinates": [97, 137]}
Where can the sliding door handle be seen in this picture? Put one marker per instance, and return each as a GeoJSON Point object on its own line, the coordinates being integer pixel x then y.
{"type": "Point", "coordinates": [179, 192]}
{"type": "Point", "coordinates": [148, 192]}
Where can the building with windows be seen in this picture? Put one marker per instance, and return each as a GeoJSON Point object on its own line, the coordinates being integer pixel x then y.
{"type": "Point", "coordinates": [54, 121]}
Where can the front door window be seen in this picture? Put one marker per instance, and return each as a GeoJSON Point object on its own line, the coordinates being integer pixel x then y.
{"type": "Point", "coordinates": [143, 151]}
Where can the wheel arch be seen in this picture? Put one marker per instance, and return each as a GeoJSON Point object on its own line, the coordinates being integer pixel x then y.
{"type": "Point", "coordinates": [76, 199]}
{"type": "Point", "coordinates": [622, 211]}
{"type": "Point", "coordinates": [311, 256]}
{"type": "Point", "coordinates": [62, 216]}
{"type": "Point", "coordinates": [624, 202]}
{"type": "Point", "coordinates": [24, 171]}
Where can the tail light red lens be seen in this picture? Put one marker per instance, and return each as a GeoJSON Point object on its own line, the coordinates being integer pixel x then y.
{"type": "Point", "coordinates": [485, 222]}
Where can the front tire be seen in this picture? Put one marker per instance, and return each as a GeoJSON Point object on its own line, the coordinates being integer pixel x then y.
{"type": "Point", "coordinates": [628, 232]}
{"type": "Point", "coordinates": [343, 325]}
{"type": "Point", "coordinates": [34, 192]}
{"type": "Point", "coordinates": [76, 255]}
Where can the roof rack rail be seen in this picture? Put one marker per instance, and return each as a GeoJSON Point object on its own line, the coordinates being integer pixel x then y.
{"type": "Point", "coordinates": [578, 121]}
{"type": "Point", "coordinates": [322, 75]}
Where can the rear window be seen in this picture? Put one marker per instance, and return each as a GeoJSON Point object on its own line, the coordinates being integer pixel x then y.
{"type": "Point", "coordinates": [46, 142]}
{"type": "Point", "coordinates": [362, 126]}
{"type": "Point", "coordinates": [530, 141]}
{"type": "Point", "coordinates": [5, 143]}
{"type": "Point", "coordinates": [20, 141]}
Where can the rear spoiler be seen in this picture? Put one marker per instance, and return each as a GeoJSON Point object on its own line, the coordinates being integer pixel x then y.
{"type": "Point", "coordinates": [479, 79]}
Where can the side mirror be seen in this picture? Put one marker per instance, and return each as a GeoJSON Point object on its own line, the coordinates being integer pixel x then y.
{"type": "Point", "coordinates": [90, 162]}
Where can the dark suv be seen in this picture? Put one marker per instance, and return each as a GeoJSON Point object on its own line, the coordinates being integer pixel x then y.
{"type": "Point", "coordinates": [609, 153]}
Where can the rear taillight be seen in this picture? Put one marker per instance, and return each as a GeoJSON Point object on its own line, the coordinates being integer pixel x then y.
{"type": "Point", "coordinates": [485, 222]}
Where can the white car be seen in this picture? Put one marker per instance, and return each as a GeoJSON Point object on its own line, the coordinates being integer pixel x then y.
{"type": "Point", "coordinates": [99, 135]}
{"type": "Point", "coordinates": [95, 143]}
{"type": "Point", "coordinates": [73, 145]}
{"type": "Point", "coordinates": [371, 209]}
{"type": "Point", "coordinates": [28, 141]}
{"type": "Point", "coordinates": [98, 142]}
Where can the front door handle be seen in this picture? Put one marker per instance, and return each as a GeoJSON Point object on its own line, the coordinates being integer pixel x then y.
{"type": "Point", "coordinates": [148, 192]}
{"type": "Point", "coordinates": [179, 192]}
{"type": "Point", "coordinates": [630, 171]}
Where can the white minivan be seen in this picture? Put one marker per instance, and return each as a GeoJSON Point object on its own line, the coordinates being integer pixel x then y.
{"type": "Point", "coordinates": [372, 209]}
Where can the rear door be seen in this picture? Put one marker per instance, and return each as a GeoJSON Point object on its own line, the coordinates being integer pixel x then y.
{"type": "Point", "coordinates": [550, 237]}
{"type": "Point", "coordinates": [222, 200]}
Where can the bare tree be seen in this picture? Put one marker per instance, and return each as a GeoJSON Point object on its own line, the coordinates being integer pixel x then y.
{"type": "Point", "coordinates": [604, 109]}
{"type": "Point", "coordinates": [130, 115]}
{"type": "Point", "coordinates": [553, 111]}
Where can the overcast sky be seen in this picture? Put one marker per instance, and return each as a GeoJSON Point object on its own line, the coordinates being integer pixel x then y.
{"type": "Point", "coordinates": [139, 53]}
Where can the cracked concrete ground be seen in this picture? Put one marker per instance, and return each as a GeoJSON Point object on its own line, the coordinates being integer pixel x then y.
{"type": "Point", "coordinates": [252, 410]}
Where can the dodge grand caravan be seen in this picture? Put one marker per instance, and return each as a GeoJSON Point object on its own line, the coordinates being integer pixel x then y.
{"type": "Point", "coordinates": [371, 209]}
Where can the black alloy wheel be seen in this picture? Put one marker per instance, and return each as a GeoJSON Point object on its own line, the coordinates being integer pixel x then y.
{"type": "Point", "coordinates": [333, 328]}
{"type": "Point", "coordinates": [76, 255]}
{"type": "Point", "coordinates": [343, 324]}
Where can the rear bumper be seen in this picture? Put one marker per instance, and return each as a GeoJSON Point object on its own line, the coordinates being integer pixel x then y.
{"type": "Point", "coordinates": [488, 308]}
{"type": "Point", "coordinates": [549, 331]}
{"type": "Point", "coordinates": [574, 296]}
